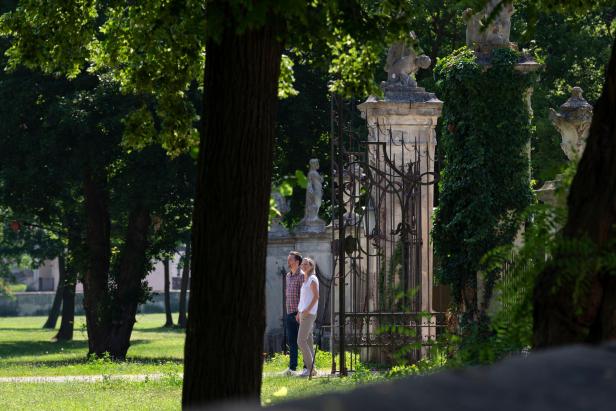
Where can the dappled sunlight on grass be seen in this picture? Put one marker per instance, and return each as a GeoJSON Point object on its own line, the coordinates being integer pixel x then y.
{"type": "Point", "coordinates": [26, 349]}
{"type": "Point", "coordinates": [278, 389]}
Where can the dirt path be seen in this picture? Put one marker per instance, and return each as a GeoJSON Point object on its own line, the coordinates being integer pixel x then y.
{"type": "Point", "coordinates": [116, 377]}
{"type": "Point", "coordinates": [88, 378]}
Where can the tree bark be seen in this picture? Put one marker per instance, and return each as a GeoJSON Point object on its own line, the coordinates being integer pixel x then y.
{"type": "Point", "coordinates": [169, 318]}
{"type": "Point", "coordinates": [184, 288]}
{"type": "Point", "coordinates": [96, 301]}
{"type": "Point", "coordinates": [132, 268]}
{"type": "Point", "coordinates": [65, 333]}
{"type": "Point", "coordinates": [558, 318]}
{"type": "Point", "coordinates": [54, 312]}
{"type": "Point", "coordinates": [224, 337]}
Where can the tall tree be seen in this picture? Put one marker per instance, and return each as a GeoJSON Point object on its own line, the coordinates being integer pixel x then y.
{"type": "Point", "coordinates": [230, 225]}
{"type": "Point", "coordinates": [244, 42]}
{"type": "Point", "coordinates": [168, 316]}
{"type": "Point", "coordinates": [54, 311]}
{"type": "Point", "coordinates": [182, 319]}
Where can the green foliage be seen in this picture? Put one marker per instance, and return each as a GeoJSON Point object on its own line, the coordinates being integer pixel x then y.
{"type": "Point", "coordinates": [387, 279]}
{"type": "Point", "coordinates": [352, 63]}
{"type": "Point", "coordinates": [485, 181]}
{"type": "Point", "coordinates": [286, 79]}
{"type": "Point", "coordinates": [574, 48]}
{"type": "Point", "coordinates": [512, 321]}
{"type": "Point", "coordinates": [286, 189]}
{"type": "Point", "coordinates": [398, 371]}
{"type": "Point", "coordinates": [435, 360]}
{"type": "Point", "coordinates": [71, 24]}
{"type": "Point", "coordinates": [65, 130]}
{"type": "Point", "coordinates": [156, 48]}
{"type": "Point", "coordinates": [511, 314]}
{"type": "Point", "coordinates": [302, 134]}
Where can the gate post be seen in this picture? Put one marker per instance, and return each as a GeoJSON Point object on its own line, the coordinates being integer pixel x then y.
{"type": "Point", "coordinates": [404, 122]}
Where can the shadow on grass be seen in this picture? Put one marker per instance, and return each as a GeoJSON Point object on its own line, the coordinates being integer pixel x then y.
{"type": "Point", "coordinates": [170, 330]}
{"type": "Point", "coordinates": [160, 330]}
{"type": "Point", "coordinates": [84, 361]}
{"type": "Point", "coordinates": [30, 330]}
{"type": "Point", "coordinates": [28, 348]}
{"type": "Point", "coordinates": [12, 349]}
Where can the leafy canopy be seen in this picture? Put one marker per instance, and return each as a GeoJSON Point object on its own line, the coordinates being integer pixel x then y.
{"type": "Point", "coordinates": [157, 48]}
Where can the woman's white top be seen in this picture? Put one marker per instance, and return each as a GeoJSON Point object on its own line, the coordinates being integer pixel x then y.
{"type": "Point", "coordinates": [306, 295]}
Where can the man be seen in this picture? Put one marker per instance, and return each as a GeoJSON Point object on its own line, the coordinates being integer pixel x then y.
{"type": "Point", "coordinates": [295, 279]}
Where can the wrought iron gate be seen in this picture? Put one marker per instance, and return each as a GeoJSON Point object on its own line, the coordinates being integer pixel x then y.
{"type": "Point", "coordinates": [377, 246]}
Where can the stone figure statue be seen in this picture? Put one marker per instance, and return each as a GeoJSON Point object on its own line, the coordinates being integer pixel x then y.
{"type": "Point", "coordinates": [497, 32]}
{"type": "Point", "coordinates": [573, 123]}
{"type": "Point", "coordinates": [314, 197]}
{"type": "Point", "coordinates": [314, 191]}
{"type": "Point", "coordinates": [402, 64]}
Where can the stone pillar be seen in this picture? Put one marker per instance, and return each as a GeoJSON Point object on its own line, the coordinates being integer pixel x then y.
{"type": "Point", "coordinates": [573, 122]}
{"type": "Point", "coordinates": [411, 117]}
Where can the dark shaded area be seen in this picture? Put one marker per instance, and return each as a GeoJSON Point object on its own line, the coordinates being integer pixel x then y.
{"type": "Point", "coordinates": [574, 378]}
{"type": "Point", "coordinates": [579, 304]}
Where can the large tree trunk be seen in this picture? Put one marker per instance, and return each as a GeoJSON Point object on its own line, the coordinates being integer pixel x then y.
{"type": "Point", "coordinates": [558, 318]}
{"type": "Point", "coordinates": [96, 301]}
{"type": "Point", "coordinates": [226, 321]}
{"type": "Point", "coordinates": [133, 263]}
{"type": "Point", "coordinates": [54, 312]}
{"type": "Point", "coordinates": [73, 264]}
{"type": "Point", "coordinates": [184, 288]}
{"type": "Point", "coordinates": [169, 318]}
{"type": "Point", "coordinates": [65, 333]}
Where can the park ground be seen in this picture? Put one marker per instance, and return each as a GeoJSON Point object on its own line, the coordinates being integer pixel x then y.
{"type": "Point", "coordinates": [154, 364]}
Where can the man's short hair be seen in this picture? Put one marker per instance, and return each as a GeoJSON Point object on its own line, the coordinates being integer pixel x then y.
{"type": "Point", "coordinates": [297, 256]}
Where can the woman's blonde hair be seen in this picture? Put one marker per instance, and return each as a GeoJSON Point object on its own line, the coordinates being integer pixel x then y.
{"type": "Point", "coordinates": [311, 262]}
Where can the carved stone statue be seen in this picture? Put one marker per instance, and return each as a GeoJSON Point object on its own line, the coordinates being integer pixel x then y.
{"type": "Point", "coordinates": [497, 32]}
{"type": "Point", "coordinates": [402, 64]}
{"type": "Point", "coordinates": [314, 197]}
{"type": "Point", "coordinates": [573, 123]}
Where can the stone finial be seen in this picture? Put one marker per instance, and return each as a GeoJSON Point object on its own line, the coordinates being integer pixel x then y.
{"type": "Point", "coordinates": [496, 34]}
{"type": "Point", "coordinates": [314, 196]}
{"type": "Point", "coordinates": [573, 122]}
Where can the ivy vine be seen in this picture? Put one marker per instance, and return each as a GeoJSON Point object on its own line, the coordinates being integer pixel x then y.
{"type": "Point", "coordinates": [485, 180]}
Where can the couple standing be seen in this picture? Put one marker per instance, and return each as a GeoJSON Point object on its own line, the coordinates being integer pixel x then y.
{"type": "Point", "coordinates": [302, 303]}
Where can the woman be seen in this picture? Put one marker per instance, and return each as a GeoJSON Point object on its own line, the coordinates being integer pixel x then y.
{"type": "Point", "coordinates": [306, 314]}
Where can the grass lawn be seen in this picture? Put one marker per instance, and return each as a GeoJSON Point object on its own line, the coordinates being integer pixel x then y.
{"type": "Point", "coordinates": [107, 395]}
{"type": "Point", "coordinates": [28, 350]}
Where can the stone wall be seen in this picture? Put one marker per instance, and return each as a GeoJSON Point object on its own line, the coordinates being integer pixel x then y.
{"type": "Point", "coordinates": [314, 245]}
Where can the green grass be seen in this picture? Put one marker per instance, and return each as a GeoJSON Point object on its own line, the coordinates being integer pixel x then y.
{"type": "Point", "coordinates": [165, 394]}
{"type": "Point", "coordinates": [28, 350]}
{"type": "Point", "coordinates": [107, 395]}
{"type": "Point", "coordinates": [278, 389]}
{"type": "Point", "coordinates": [16, 288]}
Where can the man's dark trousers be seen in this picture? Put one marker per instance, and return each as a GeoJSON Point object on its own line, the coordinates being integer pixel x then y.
{"type": "Point", "coordinates": [292, 330]}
